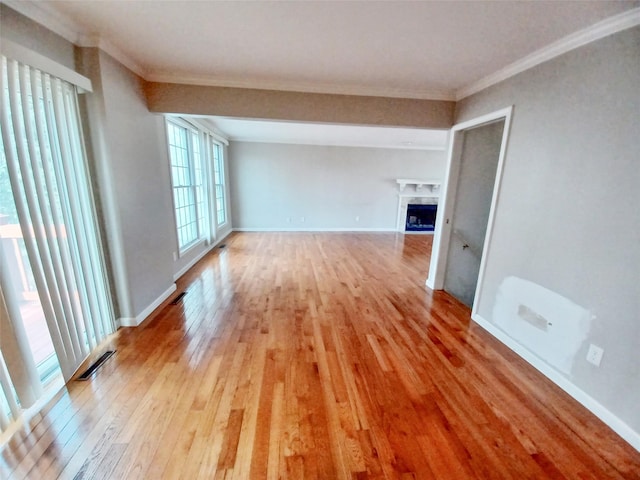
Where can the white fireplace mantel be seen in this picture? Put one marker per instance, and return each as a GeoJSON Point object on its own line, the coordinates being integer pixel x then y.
{"type": "Point", "coordinates": [422, 188]}
{"type": "Point", "coordinates": [419, 191]}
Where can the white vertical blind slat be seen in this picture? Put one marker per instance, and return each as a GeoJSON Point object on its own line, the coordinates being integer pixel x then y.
{"type": "Point", "coordinates": [104, 320]}
{"type": "Point", "coordinates": [45, 204]}
{"type": "Point", "coordinates": [78, 225]}
{"type": "Point", "coordinates": [80, 210]}
{"type": "Point", "coordinates": [50, 185]}
{"type": "Point", "coordinates": [48, 170]}
{"type": "Point", "coordinates": [85, 229]}
{"type": "Point", "coordinates": [32, 253]}
{"type": "Point", "coordinates": [70, 362]}
{"type": "Point", "coordinates": [5, 383]}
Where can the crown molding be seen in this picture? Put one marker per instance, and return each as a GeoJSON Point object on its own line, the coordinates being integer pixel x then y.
{"type": "Point", "coordinates": [350, 144]}
{"type": "Point", "coordinates": [359, 90]}
{"type": "Point", "coordinates": [106, 46]}
{"type": "Point", "coordinates": [45, 15]}
{"type": "Point", "coordinates": [609, 26]}
{"type": "Point", "coordinates": [71, 31]}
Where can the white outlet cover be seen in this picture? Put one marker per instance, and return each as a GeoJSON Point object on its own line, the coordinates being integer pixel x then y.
{"type": "Point", "coordinates": [594, 355]}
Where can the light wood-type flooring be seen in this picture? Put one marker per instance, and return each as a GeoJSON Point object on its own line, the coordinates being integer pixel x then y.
{"type": "Point", "coordinates": [315, 356]}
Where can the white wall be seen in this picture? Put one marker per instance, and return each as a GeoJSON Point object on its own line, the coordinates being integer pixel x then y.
{"type": "Point", "coordinates": [567, 218]}
{"type": "Point", "coordinates": [328, 186]}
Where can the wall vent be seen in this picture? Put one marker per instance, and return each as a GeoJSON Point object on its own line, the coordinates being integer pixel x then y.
{"type": "Point", "coordinates": [178, 298]}
{"type": "Point", "coordinates": [96, 365]}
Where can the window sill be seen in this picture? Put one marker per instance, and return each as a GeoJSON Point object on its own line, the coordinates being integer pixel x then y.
{"type": "Point", "coordinates": [192, 246]}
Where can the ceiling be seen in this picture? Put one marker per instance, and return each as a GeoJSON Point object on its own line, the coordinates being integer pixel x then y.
{"type": "Point", "coordinates": [245, 130]}
{"type": "Point", "coordinates": [415, 49]}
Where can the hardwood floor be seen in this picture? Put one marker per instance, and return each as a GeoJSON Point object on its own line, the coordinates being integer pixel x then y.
{"type": "Point", "coordinates": [304, 356]}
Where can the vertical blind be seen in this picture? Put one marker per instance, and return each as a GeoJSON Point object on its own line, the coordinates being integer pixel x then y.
{"type": "Point", "coordinates": [44, 153]}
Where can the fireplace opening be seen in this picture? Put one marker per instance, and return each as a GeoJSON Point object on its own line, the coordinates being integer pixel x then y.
{"type": "Point", "coordinates": [421, 218]}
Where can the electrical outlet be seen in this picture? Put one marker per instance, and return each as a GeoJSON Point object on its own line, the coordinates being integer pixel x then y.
{"type": "Point", "coordinates": [594, 355]}
{"type": "Point", "coordinates": [357, 219]}
{"type": "Point", "coordinates": [288, 219]}
{"type": "Point", "coordinates": [175, 256]}
{"type": "Point", "coordinates": [302, 219]}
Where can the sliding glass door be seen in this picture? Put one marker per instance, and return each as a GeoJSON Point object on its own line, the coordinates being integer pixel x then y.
{"type": "Point", "coordinates": [20, 286]}
{"type": "Point", "coordinates": [55, 293]}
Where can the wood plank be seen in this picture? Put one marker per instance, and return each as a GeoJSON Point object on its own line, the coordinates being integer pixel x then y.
{"type": "Point", "coordinates": [316, 356]}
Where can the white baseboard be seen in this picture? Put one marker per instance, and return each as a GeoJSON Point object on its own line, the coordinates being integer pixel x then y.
{"type": "Point", "coordinates": [199, 257]}
{"type": "Point", "coordinates": [429, 283]}
{"type": "Point", "coordinates": [591, 404]}
{"type": "Point", "coordinates": [319, 230]}
{"type": "Point", "coordinates": [126, 322]}
{"type": "Point", "coordinates": [134, 322]}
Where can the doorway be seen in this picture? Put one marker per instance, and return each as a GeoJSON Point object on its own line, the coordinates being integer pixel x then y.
{"type": "Point", "coordinates": [478, 165]}
{"type": "Point", "coordinates": [464, 223]}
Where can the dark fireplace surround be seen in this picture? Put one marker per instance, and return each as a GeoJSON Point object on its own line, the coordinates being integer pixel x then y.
{"type": "Point", "coordinates": [421, 218]}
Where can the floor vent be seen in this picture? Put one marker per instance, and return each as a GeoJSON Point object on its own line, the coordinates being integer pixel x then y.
{"type": "Point", "coordinates": [178, 298]}
{"type": "Point", "coordinates": [96, 365]}
{"type": "Point", "coordinates": [223, 245]}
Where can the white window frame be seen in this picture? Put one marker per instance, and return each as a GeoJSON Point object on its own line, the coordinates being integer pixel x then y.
{"type": "Point", "coordinates": [202, 232]}
{"type": "Point", "coordinates": [221, 181]}
{"type": "Point", "coordinates": [208, 141]}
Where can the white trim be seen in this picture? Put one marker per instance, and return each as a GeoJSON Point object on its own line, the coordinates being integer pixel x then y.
{"type": "Point", "coordinates": [195, 122]}
{"type": "Point", "coordinates": [115, 52]}
{"type": "Point", "coordinates": [329, 89]}
{"type": "Point", "coordinates": [70, 30]}
{"type": "Point", "coordinates": [126, 322]}
{"type": "Point", "coordinates": [192, 246]}
{"type": "Point", "coordinates": [591, 404]}
{"type": "Point", "coordinates": [495, 198]}
{"type": "Point", "coordinates": [609, 26]}
{"type": "Point", "coordinates": [199, 257]}
{"type": "Point", "coordinates": [141, 317]}
{"type": "Point", "coordinates": [26, 56]}
{"type": "Point", "coordinates": [328, 142]}
{"type": "Point", "coordinates": [442, 232]}
{"type": "Point", "coordinates": [44, 14]}
{"type": "Point", "coordinates": [328, 230]}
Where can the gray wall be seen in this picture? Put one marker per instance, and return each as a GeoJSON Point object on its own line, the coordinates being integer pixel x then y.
{"type": "Point", "coordinates": [137, 182]}
{"type": "Point", "coordinates": [129, 160]}
{"type": "Point", "coordinates": [26, 32]}
{"type": "Point", "coordinates": [567, 218]}
{"type": "Point", "coordinates": [299, 106]}
{"type": "Point", "coordinates": [329, 186]}
{"type": "Point", "coordinates": [140, 183]}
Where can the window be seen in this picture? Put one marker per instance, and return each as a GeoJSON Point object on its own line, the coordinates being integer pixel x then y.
{"type": "Point", "coordinates": [218, 179]}
{"type": "Point", "coordinates": [198, 179]}
{"type": "Point", "coordinates": [189, 188]}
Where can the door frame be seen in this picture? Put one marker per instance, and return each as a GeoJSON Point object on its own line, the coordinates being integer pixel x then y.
{"type": "Point", "coordinates": [444, 215]}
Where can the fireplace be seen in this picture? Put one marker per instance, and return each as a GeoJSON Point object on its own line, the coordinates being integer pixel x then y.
{"type": "Point", "coordinates": [420, 217]}
{"type": "Point", "coordinates": [417, 205]}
